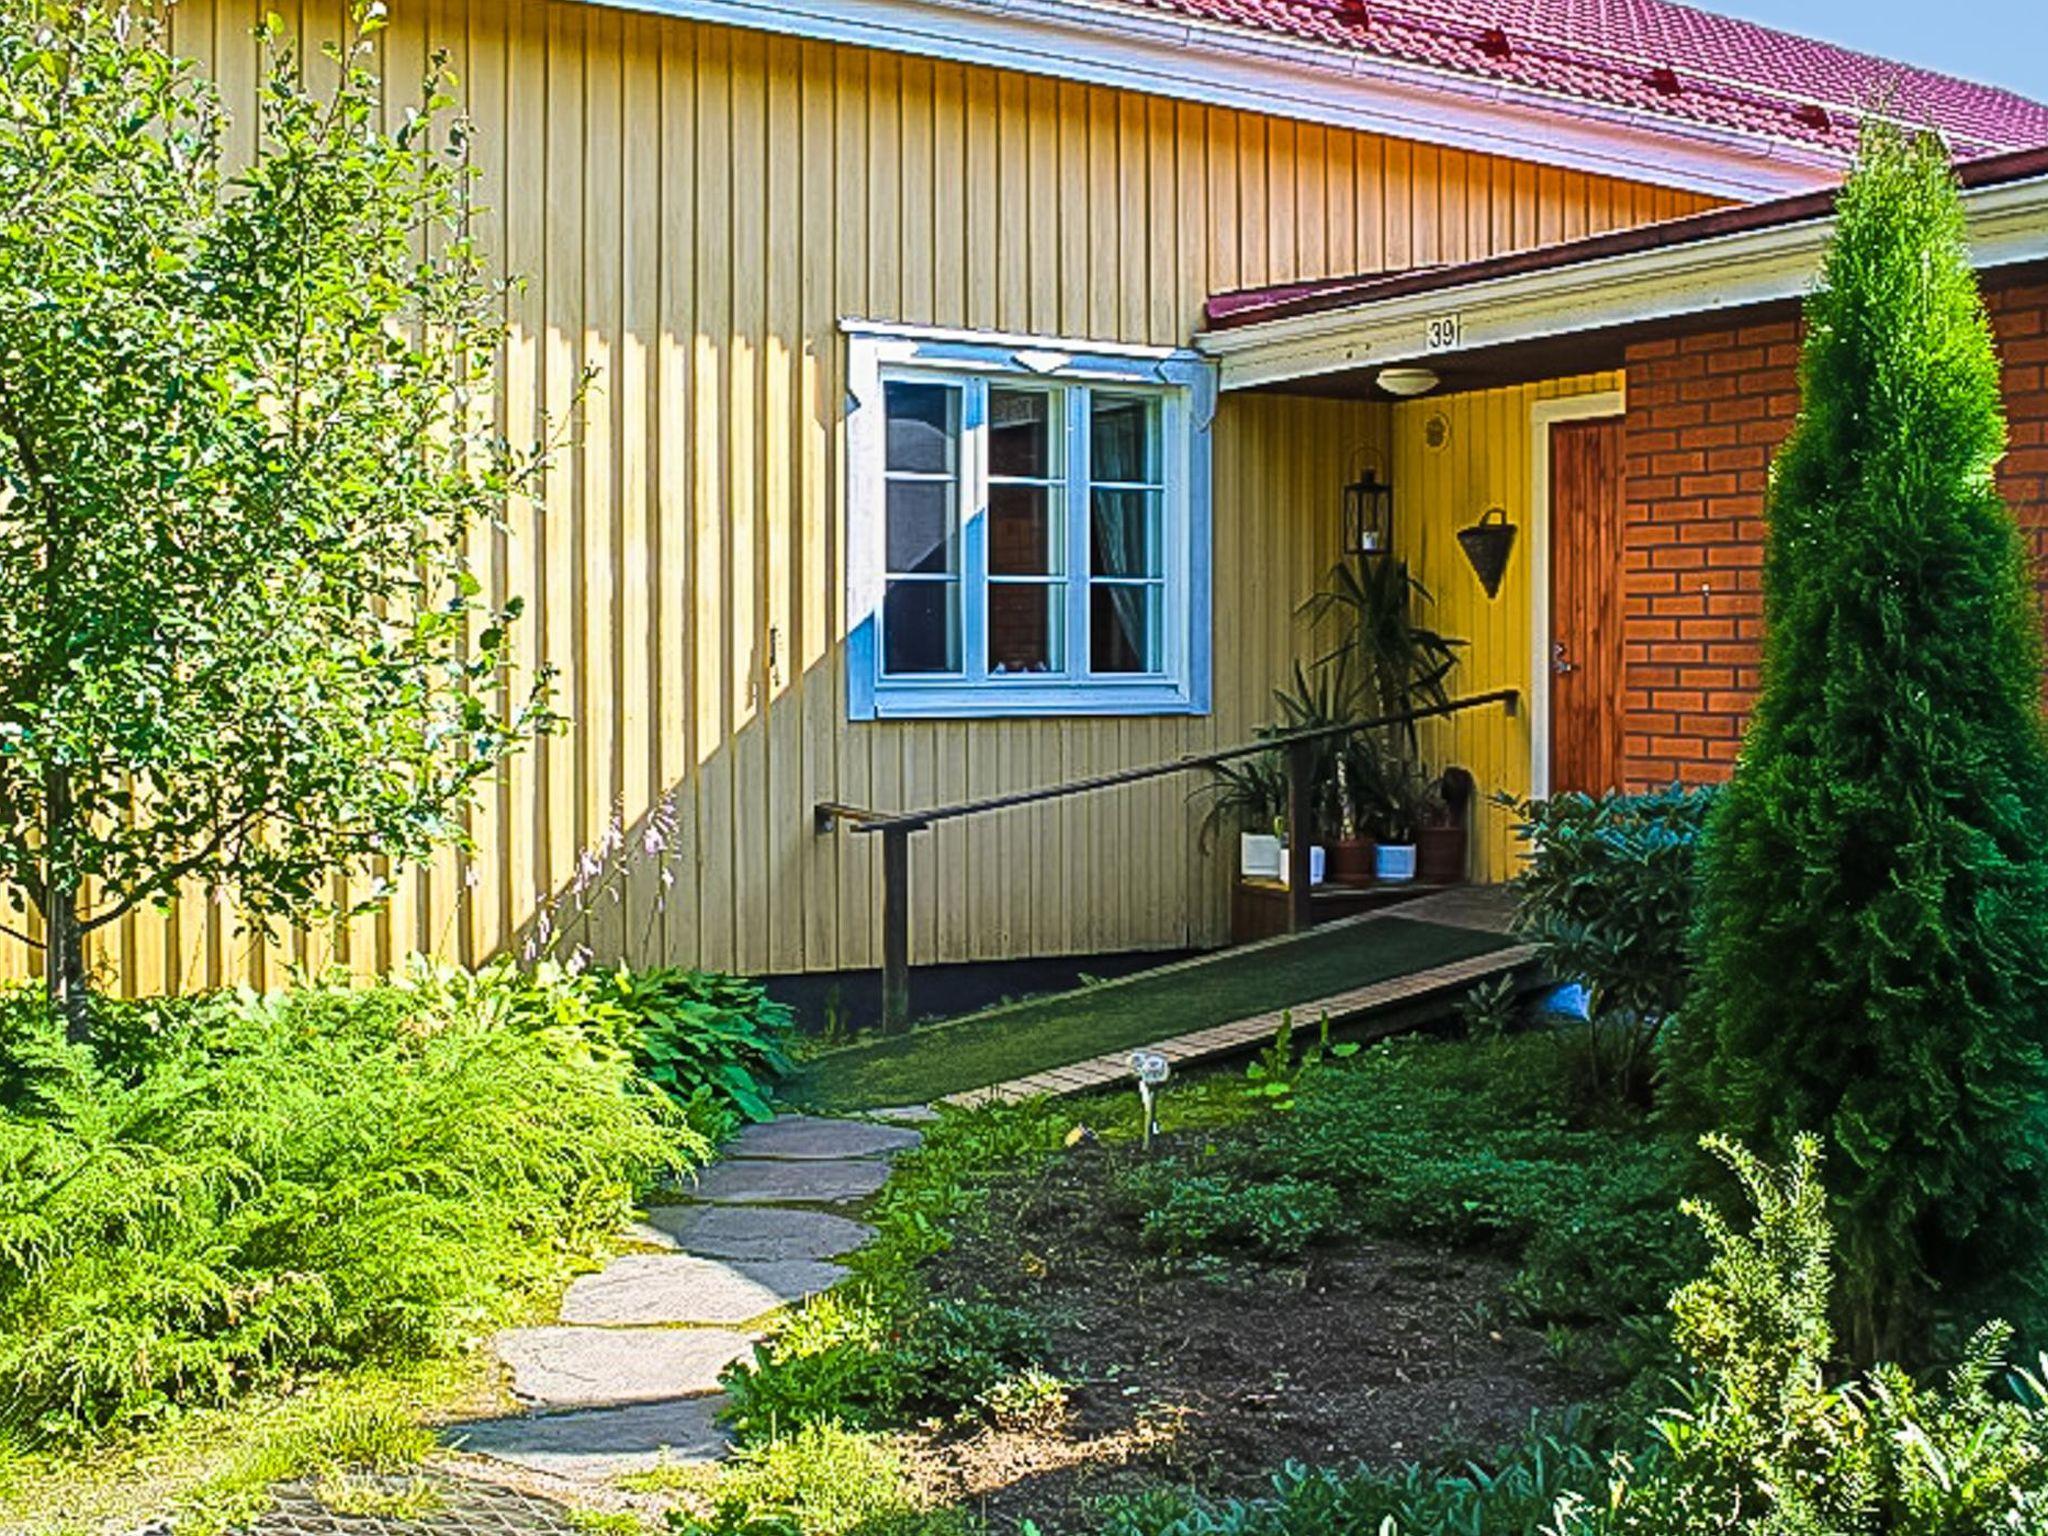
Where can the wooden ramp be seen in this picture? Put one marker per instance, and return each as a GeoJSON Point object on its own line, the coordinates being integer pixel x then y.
{"type": "Point", "coordinates": [1241, 1036]}
{"type": "Point", "coordinates": [1393, 1000]}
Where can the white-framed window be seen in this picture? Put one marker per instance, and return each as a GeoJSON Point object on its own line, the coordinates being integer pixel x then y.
{"type": "Point", "coordinates": [1027, 526]}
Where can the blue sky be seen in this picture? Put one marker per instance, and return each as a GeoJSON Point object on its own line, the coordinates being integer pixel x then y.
{"type": "Point", "coordinates": [2001, 42]}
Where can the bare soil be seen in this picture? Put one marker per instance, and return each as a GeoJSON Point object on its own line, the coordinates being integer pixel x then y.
{"type": "Point", "coordinates": [1215, 1372]}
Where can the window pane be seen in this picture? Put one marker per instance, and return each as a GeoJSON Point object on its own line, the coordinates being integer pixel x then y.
{"type": "Point", "coordinates": [1020, 433]}
{"type": "Point", "coordinates": [1123, 535]}
{"type": "Point", "coordinates": [1123, 439]}
{"type": "Point", "coordinates": [921, 627]}
{"type": "Point", "coordinates": [921, 533]}
{"type": "Point", "coordinates": [923, 427]}
{"type": "Point", "coordinates": [1123, 628]}
{"type": "Point", "coordinates": [1026, 627]}
{"type": "Point", "coordinates": [1025, 530]}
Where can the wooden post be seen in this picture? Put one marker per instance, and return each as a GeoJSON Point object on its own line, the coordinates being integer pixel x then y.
{"type": "Point", "coordinates": [895, 929]}
{"type": "Point", "coordinates": [1301, 835]}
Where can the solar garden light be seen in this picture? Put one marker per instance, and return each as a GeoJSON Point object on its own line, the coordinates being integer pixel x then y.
{"type": "Point", "coordinates": [1152, 1070]}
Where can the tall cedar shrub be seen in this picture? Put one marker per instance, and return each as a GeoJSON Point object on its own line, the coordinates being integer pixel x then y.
{"type": "Point", "coordinates": [1874, 911]}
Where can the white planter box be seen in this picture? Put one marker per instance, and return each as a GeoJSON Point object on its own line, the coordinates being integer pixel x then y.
{"type": "Point", "coordinates": [1315, 865]}
{"type": "Point", "coordinates": [1258, 856]}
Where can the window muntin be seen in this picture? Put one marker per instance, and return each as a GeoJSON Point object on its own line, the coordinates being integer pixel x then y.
{"type": "Point", "coordinates": [1073, 576]}
{"type": "Point", "coordinates": [921, 598]}
{"type": "Point", "coordinates": [1126, 501]}
{"type": "Point", "coordinates": [1027, 516]}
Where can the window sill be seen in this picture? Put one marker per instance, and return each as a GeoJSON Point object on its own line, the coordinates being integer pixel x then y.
{"type": "Point", "coordinates": [1001, 699]}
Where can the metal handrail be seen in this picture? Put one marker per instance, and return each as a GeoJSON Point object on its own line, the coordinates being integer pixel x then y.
{"type": "Point", "coordinates": [896, 827]}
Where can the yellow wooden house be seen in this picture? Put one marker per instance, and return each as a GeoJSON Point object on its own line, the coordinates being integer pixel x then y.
{"type": "Point", "coordinates": [907, 478]}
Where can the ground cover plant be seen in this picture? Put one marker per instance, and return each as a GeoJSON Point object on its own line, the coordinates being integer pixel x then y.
{"type": "Point", "coordinates": [1875, 900]}
{"type": "Point", "coordinates": [248, 1189]}
{"type": "Point", "coordinates": [1029, 1037]}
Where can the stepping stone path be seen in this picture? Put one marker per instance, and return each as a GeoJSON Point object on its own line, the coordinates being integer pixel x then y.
{"type": "Point", "coordinates": [628, 1378]}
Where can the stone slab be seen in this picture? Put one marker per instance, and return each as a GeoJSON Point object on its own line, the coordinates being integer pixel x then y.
{"type": "Point", "coordinates": [906, 1114]}
{"type": "Point", "coordinates": [665, 1289]}
{"type": "Point", "coordinates": [752, 1232]}
{"type": "Point", "coordinates": [774, 1181]}
{"type": "Point", "coordinates": [572, 1367]}
{"type": "Point", "coordinates": [810, 1138]}
{"type": "Point", "coordinates": [599, 1444]}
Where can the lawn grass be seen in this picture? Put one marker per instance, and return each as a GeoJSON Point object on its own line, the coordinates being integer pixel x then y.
{"type": "Point", "coordinates": [214, 1468]}
{"type": "Point", "coordinates": [1022, 1038]}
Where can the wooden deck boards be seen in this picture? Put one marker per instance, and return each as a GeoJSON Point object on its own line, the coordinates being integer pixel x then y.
{"type": "Point", "coordinates": [1239, 1034]}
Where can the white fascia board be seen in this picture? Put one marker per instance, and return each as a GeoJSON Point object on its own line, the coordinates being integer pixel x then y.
{"type": "Point", "coordinates": [2008, 224]}
{"type": "Point", "coordinates": [1192, 60]}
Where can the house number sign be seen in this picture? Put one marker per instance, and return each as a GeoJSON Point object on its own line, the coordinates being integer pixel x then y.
{"type": "Point", "coordinates": [1445, 333]}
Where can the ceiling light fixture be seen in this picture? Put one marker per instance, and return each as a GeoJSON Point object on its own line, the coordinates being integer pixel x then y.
{"type": "Point", "coordinates": [1407, 383]}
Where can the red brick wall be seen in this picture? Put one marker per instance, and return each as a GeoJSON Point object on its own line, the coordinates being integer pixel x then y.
{"type": "Point", "coordinates": [1706, 410]}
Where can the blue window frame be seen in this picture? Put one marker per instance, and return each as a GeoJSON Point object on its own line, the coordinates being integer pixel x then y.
{"type": "Point", "coordinates": [1027, 527]}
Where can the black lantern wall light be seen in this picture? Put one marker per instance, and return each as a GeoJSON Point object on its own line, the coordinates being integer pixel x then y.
{"type": "Point", "coordinates": [1368, 511]}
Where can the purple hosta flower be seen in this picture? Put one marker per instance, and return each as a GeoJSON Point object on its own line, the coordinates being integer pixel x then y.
{"type": "Point", "coordinates": [543, 933]}
{"type": "Point", "coordinates": [578, 961]}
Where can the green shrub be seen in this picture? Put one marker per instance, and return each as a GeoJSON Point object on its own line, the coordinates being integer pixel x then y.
{"type": "Point", "coordinates": [845, 1357]}
{"type": "Point", "coordinates": [1606, 895]}
{"type": "Point", "coordinates": [820, 1480]}
{"type": "Point", "coordinates": [314, 1179]}
{"type": "Point", "coordinates": [1764, 1444]}
{"type": "Point", "coordinates": [1874, 910]}
{"type": "Point", "coordinates": [1515, 1495]}
{"type": "Point", "coordinates": [1469, 1143]}
{"type": "Point", "coordinates": [1188, 1213]}
{"type": "Point", "coordinates": [711, 1041]}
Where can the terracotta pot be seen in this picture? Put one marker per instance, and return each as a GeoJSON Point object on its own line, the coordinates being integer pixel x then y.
{"type": "Point", "coordinates": [1351, 861]}
{"type": "Point", "coordinates": [1440, 855]}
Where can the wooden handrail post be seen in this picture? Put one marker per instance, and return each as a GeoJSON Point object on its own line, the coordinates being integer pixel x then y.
{"type": "Point", "coordinates": [1301, 835]}
{"type": "Point", "coordinates": [895, 929]}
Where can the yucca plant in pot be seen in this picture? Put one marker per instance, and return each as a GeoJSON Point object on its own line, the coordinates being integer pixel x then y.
{"type": "Point", "coordinates": [1383, 663]}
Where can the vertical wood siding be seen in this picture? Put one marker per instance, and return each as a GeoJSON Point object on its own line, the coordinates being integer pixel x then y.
{"type": "Point", "coordinates": [1484, 459]}
{"type": "Point", "coordinates": [694, 209]}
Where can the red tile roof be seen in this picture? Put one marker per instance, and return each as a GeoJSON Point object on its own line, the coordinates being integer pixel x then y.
{"type": "Point", "coordinates": [1713, 72]}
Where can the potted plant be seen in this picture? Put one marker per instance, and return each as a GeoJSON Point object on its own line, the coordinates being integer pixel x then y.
{"type": "Point", "coordinates": [1442, 835]}
{"type": "Point", "coordinates": [1402, 795]}
{"type": "Point", "coordinates": [1249, 797]}
{"type": "Point", "coordinates": [1351, 846]}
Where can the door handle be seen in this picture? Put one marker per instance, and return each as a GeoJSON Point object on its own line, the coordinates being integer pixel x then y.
{"type": "Point", "coordinates": [1558, 664]}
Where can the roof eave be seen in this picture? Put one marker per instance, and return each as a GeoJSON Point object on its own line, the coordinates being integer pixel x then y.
{"type": "Point", "coordinates": [2008, 225]}
{"type": "Point", "coordinates": [1191, 60]}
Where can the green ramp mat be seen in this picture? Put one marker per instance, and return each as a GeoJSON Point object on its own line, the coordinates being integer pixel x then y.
{"type": "Point", "coordinates": [1035, 1036]}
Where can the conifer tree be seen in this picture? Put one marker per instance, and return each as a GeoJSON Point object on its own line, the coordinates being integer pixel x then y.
{"type": "Point", "coordinates": [1873, 940]}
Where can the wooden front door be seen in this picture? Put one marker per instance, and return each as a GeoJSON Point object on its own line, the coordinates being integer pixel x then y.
{"type": "Point", "coordinates": [1585, 605]}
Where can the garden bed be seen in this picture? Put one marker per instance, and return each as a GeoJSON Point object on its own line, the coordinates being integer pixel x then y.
{"type": "Point", "coordinates": [1213, 1372]}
